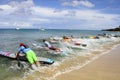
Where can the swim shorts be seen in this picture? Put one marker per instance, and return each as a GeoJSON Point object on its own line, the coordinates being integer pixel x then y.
{"type": "Point", "coordinates": [31, 56]}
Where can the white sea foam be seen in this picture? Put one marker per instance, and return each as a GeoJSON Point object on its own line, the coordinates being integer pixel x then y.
{"type": "Point", "coordinates": [79, 66]}
{"type": "Point", "coordinates": [10, 40]}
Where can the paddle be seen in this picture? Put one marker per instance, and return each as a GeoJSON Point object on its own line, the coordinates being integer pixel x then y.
{"type": "Point", "coordinates": [18, 60]}
{"type": "Point", "coordinates": [84, 45]}
{"type": "Point", "coordinates": [19, 63]}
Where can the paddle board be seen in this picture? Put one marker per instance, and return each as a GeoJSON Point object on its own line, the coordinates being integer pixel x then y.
{"type": "Point", "coordinates": [12, 55]}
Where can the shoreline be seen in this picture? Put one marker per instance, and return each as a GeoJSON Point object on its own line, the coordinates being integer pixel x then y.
{"type": "Point", "coordinates": [104, 68]}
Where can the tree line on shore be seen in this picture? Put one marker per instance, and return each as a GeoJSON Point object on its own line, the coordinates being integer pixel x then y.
{"type": "Point", "coordinates": [114, 29]}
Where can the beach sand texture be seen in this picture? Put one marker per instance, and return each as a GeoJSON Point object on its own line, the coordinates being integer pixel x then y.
{"type": "Point", "coordinates": [106, 67]}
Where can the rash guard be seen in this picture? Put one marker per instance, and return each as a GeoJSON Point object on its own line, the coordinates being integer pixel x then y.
{"type": "Point", "coordinates": [23, 49]}
{"type": "Point", "coordinates": [29, 54]}
{"type": "Point", "coordinates": [47, 44]}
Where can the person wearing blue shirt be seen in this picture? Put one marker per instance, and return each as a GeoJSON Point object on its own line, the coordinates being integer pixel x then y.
{"type": "Point", "coordinates": [30, 55]}
{"type": "Point", "coordinates": [47, 44]}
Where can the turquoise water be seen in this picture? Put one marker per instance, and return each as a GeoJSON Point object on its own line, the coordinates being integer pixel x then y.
{"type": "Point", "coordinates": [10, 39]}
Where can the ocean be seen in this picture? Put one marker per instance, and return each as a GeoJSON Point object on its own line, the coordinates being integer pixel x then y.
{"type": "Point", "coordinates": [75, 58]}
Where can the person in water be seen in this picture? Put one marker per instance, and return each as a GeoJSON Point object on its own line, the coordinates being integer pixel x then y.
{"type": "Point", "coordinates": [47, 44]}
{"type": "Point", "coordinates": [30, 55]}
{"type": "Point", "coordinates": [66, 39]}
{"type": "Point", "coordinates": [70, 40]}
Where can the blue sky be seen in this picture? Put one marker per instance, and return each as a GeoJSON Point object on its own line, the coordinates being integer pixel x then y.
{"type": "Point", "coordinates": [60, 14]}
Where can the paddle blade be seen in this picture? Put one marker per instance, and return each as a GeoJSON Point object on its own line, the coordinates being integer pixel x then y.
{"type": "Point", "coordinates": [18, 64]}
{"type": "Point", "coordinates": [84, 45]}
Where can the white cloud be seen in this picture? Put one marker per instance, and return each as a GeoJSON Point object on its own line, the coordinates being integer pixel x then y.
{"type": "Point", "coordinates": [17, 8]}
{"type": "Point", "coordinates": [2, 23]}
{"type": "Point", "coordinates": [23, 7]}
{"type": "Point", "coordinates": [76, 3]}
{"type": "Point", "coordinates": [26, 14]}
{"type": "Point", "coordinates": [48, 12]}
{"type": "Point", "coordinates": [16, 13]}
{"type": "Point", "coordinates": [21, 4]}
{"type": "Point", "coordinates": [22, 24]}
{"type": "Point", "coordinates": [95, 19]}
{"type": "Point", "coordinates": [6, 9]}
{"type": "Point", "coordinates": [94, 15]}
{"type": "Point", "coordinates": [39, 20]}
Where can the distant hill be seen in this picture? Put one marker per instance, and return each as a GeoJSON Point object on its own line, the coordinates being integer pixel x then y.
{"type": "Point", "coordinates": [114, 29]}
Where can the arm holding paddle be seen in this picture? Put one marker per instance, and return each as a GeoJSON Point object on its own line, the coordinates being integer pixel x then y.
{"type": "Point", "coordinates": [17, 56]}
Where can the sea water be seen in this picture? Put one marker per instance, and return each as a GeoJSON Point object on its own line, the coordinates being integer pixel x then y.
{"type": "Point", "coordinates": [75, 58]}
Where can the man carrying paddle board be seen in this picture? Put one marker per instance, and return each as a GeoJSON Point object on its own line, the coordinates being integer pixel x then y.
{"type": "Point", "coordinates": [30, 55]}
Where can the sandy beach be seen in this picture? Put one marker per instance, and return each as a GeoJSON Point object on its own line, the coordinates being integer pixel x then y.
{"type": "Point", "coordinates": [106, 67]}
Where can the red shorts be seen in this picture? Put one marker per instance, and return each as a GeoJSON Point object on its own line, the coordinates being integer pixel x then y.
{"type": "Point", "coordinates": [52, 48]}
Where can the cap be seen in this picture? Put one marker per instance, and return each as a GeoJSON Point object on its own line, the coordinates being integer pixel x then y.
{"type": "Point", "coordinates": [21, 44]}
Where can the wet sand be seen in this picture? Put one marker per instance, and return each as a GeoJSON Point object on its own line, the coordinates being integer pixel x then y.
{"type": "Point", "coordinates": [106, 67]}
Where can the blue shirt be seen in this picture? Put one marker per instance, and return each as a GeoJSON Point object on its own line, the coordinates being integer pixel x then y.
{"type": "Point", "coordinates": [47, 44]}
{"type": "Point", "coordinates": [23, 49]}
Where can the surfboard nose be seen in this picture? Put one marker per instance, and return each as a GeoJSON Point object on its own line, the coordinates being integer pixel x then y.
{"type": "Point", "coordinates": [50, 61]}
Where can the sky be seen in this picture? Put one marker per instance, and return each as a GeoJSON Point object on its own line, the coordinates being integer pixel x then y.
{"type": "Point", "coordinates": [60, 14]}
